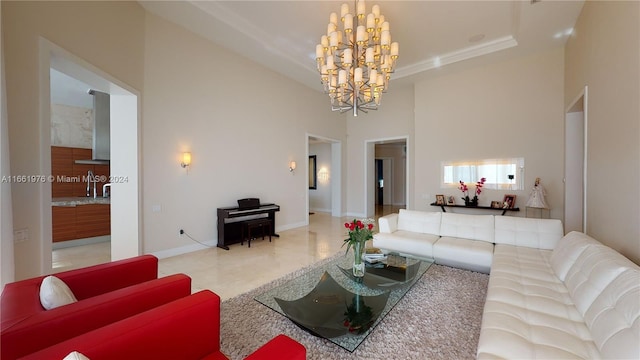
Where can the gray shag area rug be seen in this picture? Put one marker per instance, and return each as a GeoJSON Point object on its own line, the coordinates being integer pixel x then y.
{"type": "Point", "coordinates": [439, 318]}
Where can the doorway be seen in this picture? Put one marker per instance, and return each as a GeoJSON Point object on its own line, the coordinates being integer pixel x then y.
{"type": "Point", "coordinates": [125, 212]}
{"type": "Point", "coordinates": [387, 180]}
{"type": "Point", "coordinates": [575, 172]}
{"type": "Point", "coordinates": [327, 195]}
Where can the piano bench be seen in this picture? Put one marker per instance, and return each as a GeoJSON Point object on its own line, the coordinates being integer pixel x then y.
{"type": "Point", "coordinates": [264, 224]}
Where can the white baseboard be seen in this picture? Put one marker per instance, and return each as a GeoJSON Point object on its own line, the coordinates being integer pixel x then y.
{"type": "Point", "coordinates": [290, 226]}
{"type": "Point", "coordinates": [356, 215]}
{"type": "Point", "coordinates": [183, 249]}
{"type": "Point", "coordinates": [210, 243]}
{"type": "Point", "coordinates": [80, 242]}
{"type": "Point", "coordinates": [321, 210]}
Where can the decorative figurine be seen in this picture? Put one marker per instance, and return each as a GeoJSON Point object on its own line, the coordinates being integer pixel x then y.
{"type": "Point", "coordinates": [536, 198]}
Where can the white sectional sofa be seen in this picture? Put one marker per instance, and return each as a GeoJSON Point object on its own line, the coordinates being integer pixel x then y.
{"type": "Point", "coordinates": [549, 296]}
{"type": "Point", "coordinates": [459, 240]}
{"type": "Point", "coordinates": [580, 300]}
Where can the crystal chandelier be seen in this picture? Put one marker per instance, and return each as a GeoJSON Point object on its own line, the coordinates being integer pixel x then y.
{"type": "Point", "coordinates": [356, 58]}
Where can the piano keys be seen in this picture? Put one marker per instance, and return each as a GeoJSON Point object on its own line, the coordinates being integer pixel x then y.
{"type": "Point", "coordinates": [230, 221]}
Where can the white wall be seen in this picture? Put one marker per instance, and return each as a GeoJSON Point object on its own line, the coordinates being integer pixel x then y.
{"type": "Point", "coordinates": [7, 272]}
{"type": "Point", "coordinates": [604, 54]}
{"type": "Point", "coordinates": [320, 198]}
{"type": "Point", "coordinates": [108, 35]}
{"type": "Point", "coordinates": [507, 108]}
{"type": "Point", "coordinates": [394, 119]}
{"type": "Point", "coordinates": [241, 126]}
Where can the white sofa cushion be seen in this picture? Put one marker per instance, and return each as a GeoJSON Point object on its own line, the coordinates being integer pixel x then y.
{"type": "Point", "coordinates": [55, 293]}
{"type": "Point", "coordinates": [529, 312]}
{"type": "Point", "coordinates": [605, 287]}
{"type": "Point", "coordinates": [533, 233]}
{"type": "Point", "coordinates": [419, 221]}
{"type": "Point", "coordinates": [388, 223]}
{"type": "Point", "coordinates": [614, 317]}
{"type": "Point", "coordinates": [74, 355]}
{"type": "Point", "coordinates": [467, 254]}
{"type": "Point", "coordinates": [406, 243]}
{"type": "Point", "coordinates": [474, 227]}
{"type": "Point", "coordinates": [524, 275]}
{"type": "Point", "coordinates": [567, 251]}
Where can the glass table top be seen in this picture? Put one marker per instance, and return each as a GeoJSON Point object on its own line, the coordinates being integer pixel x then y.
{"type": "Point", "coordinates": [328, 301]}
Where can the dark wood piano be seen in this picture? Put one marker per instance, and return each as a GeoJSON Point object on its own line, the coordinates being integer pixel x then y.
{"type": "Point", "coordinates": [230, 219]}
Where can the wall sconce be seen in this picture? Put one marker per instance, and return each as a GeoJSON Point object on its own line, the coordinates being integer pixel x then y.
{"type": "Point", "coordinates": [292, 166]}
{"type": "Point", "coordinates": [323, 175]}
{"type": "Point", "coordinates": [186, 159]}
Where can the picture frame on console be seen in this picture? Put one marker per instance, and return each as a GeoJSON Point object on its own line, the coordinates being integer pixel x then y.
{"type": "Point", "coordinates": [509, 201]}
{"type": "Point", "coordinates": [496, 204]}
{"type": "Point", "coordinates": [439, 199]}
{"type": "Point", "coordinates": [451, 200]}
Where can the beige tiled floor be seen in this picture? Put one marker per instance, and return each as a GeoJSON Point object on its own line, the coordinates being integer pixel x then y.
{"type": "Point", "coordinates": [233, 272]}
{"type": "Point", "coordinates": [230, 273]}
{"type": "Point", "coordinates": [80, 256]}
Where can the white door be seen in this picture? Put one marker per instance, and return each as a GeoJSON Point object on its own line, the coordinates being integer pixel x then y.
{"type": "Point", "coordinates": [387, 194]}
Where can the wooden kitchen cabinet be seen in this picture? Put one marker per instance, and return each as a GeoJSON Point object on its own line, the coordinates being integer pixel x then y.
{"type": "Point", "coordinates": [74, 176]}
{"type": "Point", "coordinates": [61, 169]}
{"type": "Point", "coordinates": [93, 220]}
{"type": "Point", "coordinates": [64, 223]}
{"type": "Point", "coordinates": [81, 221]}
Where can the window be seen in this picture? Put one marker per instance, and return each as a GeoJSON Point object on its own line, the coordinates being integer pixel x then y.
{"type": "Point", "coordinates": [501, 174]}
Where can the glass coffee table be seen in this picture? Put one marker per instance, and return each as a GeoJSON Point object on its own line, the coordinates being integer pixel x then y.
{"type": "Point", "coordinates": [329, 302]}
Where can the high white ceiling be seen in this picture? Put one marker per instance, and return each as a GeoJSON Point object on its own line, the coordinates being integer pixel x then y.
{"type": "Point", "coordinates": [282, 34]}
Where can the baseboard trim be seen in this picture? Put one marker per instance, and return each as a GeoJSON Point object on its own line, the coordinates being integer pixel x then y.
{"type": "Point", "coordinates": [80, 242]}
{"type": "Point", "coordinates": [162, 254]}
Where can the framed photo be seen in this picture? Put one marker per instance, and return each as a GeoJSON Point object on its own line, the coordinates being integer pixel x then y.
{"type": "Point", "coordinates": [451, 200]}
{"type": "Point", "coordinates": [509, 201]}
{"type": "Point", "coordinates": [496, 204]}
{"type": "Point", "coordinates": [439, 199]}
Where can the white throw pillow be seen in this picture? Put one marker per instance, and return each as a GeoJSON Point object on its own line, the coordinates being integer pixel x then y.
{"type": "Point", "coordinates": [75, 356]}
{"type": "Point", "coordinates": [54, 292]}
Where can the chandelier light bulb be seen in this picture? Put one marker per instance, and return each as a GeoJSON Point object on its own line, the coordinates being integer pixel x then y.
{"type": "Point", "coordinates": [333, 18]}
{"type": "Point", "coordinates": [371, 23]}
{"type": "Point", "coordinates": [348, 23]}
{"type": "Point", "coordinates": [344, 9]}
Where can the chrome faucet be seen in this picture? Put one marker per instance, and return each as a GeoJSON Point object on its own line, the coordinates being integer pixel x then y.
{"type": "Point", "coordinates": [91, 178]}
{"type": "Point", "coordinates": [105, 193]}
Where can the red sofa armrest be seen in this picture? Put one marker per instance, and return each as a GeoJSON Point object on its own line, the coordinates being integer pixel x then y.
{"type": "Point", "coordinates": [47, 328]}
{"type": "Point", "coordinates": [188, 328]}
{"type": "Point", "coordinates": [280, 347]}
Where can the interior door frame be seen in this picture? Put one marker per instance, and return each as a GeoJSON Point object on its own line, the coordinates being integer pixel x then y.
{"type": "Point", "coordinates": [336, 174]}
{"type": "Point", "coordinates": [126, 214]}
{"type": "Point", "coordinates": [580, 104]}
{"type": "Point", "coordinates": [369, 173]}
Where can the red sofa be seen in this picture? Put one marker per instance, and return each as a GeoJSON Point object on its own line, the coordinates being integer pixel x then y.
{"type": "Point", "coordinates": [106, 293]}
{"type": "Point", "coordinates": [185, 329]}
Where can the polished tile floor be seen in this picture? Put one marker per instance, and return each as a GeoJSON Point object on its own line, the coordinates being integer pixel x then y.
{"type": "Point", "coordinates": [233, 272]}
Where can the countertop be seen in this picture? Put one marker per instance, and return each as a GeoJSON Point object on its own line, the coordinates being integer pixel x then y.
{"type": "Point", "coordinates": [74, 201]}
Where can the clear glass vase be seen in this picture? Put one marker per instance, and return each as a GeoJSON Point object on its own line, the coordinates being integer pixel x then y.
{"type": "Point", "coordinates": [358, 263]}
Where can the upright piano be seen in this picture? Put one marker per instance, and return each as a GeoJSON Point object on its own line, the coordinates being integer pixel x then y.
{"type": "Point", "coordinates": [230, 219]}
